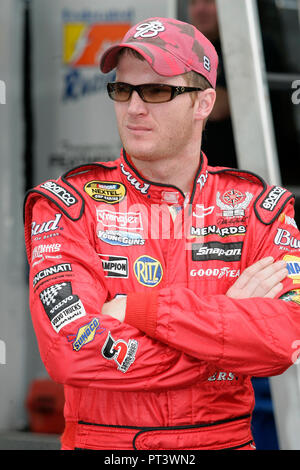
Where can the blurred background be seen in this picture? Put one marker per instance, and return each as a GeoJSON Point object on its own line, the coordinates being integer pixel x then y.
{"type": "Point", "coordinates": [54, 115]}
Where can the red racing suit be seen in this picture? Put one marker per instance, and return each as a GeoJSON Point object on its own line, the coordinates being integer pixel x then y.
{"type": "Point", "coordinates": [176, 374]}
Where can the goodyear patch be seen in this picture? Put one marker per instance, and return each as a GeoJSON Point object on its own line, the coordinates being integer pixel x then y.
{"type": "Point", "coordinates": [110, 192]}
{"type": "Point", "coordinates": [85, 334]}
{"type": "Point", "coordinates": [148, 271]}
{"type": "Point", "coordinates": [293, 267]}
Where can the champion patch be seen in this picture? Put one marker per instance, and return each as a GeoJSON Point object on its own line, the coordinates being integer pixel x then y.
{"type": "Point", "coordinates": [114, 266]}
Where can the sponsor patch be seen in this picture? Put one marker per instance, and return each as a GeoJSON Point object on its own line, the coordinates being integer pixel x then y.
{"type": "Point", "coordinates": [284, 238]}
{"type": "Point", "coordinates": [215, 272]}
{"type": "Point", "coordinates": [61, 305]}
{"type": "Point", "coordinates": [142, 188]}
{"type": "Point", "coordinates": [119, 351]}
{"type": "Point", "coordinates": [221, 376]}
{"type": "Point", "coordinates": [201, 211]}
{"type": "Point", "coordinates": [45, 227]}
{"type": "Point", "coordinates": [272, 198]}
{"type": "Point", "coordinates": [110, 192]}
{"type": "Point", "coordinates": [215, 230]}
{"type": "Point", "coordinates": [120, 238]}
{"type": "Point", "coordinates": [60, 192]}
{"type": "Point", "coordinates": [217, 251]}
{"type": "Point", "coordinates": [47, 272]}
{"type": "Point", "coordinates": [291, 296]}
{"type": "Point", "coordinates": [285, 219]}
{"type": "Point", "coordinates": [120, 220]}
{"type": "Point", "coordinates": [293, 267]}
{"type": "Point", "coordinates": [39, 250]}
{"type": "Point", "coordinates": [233, 203]}
{"type": "Point", "coordinates": [202, 178]}
{"type": "Point", "coordinates": [86, 334]}
{"type": "Point", "coordinates": [148, 271]}
{"type": "Point", "coordinates": [114, 266]}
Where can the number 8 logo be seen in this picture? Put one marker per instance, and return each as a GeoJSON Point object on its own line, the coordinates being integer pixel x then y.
{"type": "Point", "coordinates": [206, 63]}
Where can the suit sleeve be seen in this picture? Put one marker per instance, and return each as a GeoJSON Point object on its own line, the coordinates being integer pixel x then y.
{"type": "Point", "coordinates": [78, 345]}
{"type": "Point", "coordinates": [254, 336]}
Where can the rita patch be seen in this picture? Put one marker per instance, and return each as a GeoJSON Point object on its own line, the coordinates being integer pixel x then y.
{"type": "Point", "coordinates": [110, 192]}
{"type": "Point", "coordinates": [148, 271]}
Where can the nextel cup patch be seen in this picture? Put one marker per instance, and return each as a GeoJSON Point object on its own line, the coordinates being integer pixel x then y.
{"type": "Point", "coordinates": [110, 192]}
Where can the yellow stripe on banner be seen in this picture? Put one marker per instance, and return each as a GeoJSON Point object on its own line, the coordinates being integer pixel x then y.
{"type": "Point", "coordinates": [71, 35]}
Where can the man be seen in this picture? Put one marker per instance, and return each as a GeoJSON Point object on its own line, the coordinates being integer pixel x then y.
{"type": "Point", "coordinates": [155, 279]}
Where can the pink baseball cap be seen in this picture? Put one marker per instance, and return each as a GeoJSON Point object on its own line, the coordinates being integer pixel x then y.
{"type": "Point", "coordinates": [171, 47]}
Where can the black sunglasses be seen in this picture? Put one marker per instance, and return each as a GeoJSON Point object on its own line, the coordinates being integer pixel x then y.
{"type": "Point", "coordinates": [149, 92]}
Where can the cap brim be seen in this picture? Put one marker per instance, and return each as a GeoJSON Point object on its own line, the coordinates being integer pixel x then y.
{"type": "Point", "coordinates": [162, 62]}
{"type": "Point", "coordinates": [109, 59]}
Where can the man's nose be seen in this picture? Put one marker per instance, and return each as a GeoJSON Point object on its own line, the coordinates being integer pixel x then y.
{"type": "Point", "coordinates": [136, 104]}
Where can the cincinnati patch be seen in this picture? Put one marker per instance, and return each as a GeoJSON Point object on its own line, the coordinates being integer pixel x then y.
{"type": "Point", "coordinates": [47, 272]}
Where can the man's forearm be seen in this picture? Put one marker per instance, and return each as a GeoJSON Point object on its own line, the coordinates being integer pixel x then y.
{"type": "Point", "coordinates": [251, 336]}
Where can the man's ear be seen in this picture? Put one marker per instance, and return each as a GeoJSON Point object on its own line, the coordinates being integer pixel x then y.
{"type": "Point", "coordinates": [204, 104]}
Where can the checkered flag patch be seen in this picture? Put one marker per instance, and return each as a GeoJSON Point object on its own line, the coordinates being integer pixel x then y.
{"type": "Point", "coordinates": [48, 296]}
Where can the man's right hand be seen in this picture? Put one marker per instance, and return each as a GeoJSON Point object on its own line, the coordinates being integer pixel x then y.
{"type": "Point", "coordinates": [261, 279]}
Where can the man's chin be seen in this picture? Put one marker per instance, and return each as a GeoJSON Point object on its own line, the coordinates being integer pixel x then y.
{"type": "Point", "coordinates": [137, 152]}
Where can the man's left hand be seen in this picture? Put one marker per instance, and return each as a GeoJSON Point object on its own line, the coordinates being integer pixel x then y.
{"type": "Point", "coordinates": [115, 308]}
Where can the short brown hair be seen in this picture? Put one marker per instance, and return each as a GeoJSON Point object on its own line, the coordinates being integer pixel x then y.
{"type": "Point", "coordinates": [132, 52]}
{"type": "Point", "coordinates": [195, 79]}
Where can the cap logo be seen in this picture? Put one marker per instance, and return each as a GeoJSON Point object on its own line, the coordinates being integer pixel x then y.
{"type": "Point", "coordinates": [149, 30]}
{"type": "Point", "coordinates": [206, 63]}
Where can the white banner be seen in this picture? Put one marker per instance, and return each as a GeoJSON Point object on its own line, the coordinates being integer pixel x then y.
{"type": "Point", "coordinates": [74, 119]}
